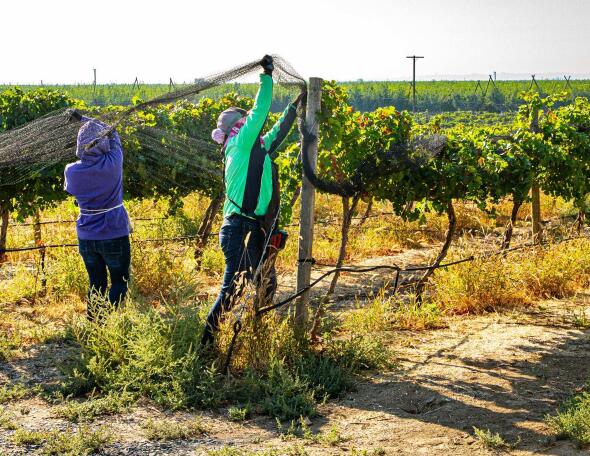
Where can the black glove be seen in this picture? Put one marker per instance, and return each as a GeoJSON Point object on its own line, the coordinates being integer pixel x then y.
{"type": "Point", "coordinates": [267, 65]}
{"type": "Point", "coordinates": [74, 115]}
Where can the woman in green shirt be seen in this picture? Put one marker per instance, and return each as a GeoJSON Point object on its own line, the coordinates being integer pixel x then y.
{"type": "Point", "coordinates": [248, 188]}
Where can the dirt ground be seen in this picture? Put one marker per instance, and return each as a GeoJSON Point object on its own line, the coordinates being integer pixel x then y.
{"type": "Point", "coordinates": [498, 372]}
{"type": "Point", "coordinates": [503, 372]}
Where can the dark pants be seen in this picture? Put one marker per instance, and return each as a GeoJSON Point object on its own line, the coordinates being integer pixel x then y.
{"type": "Point", "coordinates": [241, 262]}
{"type": "Point", "coordinates": [98, 256]}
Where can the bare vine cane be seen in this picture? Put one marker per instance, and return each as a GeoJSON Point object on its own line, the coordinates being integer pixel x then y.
{"type": "Point", "coordinates": [264, 282]}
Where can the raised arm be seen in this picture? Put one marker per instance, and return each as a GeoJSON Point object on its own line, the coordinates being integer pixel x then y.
{"type": "Point", "coordinates": [257, 117]}
{"type": "Point", "coordinates": [277, 134]}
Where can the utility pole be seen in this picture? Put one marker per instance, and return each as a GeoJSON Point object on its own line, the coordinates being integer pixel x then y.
{"type": "Point", "coordinates": [414, 57]}
{"type": "Point", "coordinates": [495, 77]}
{"type": "Point", "coordinates": [94, 86]}
{"type": "Point", "coordinates": [314, 97]}
{"type": "Point", "coordinates": [171, 85]}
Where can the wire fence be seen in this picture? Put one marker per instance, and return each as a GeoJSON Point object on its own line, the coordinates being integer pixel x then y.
{"type": "Point", "coordinates": [395, 289]}
{"type": "Point", "coordinates": [325, 222]}
{"type": "Point", "coordinates": [397, 270]}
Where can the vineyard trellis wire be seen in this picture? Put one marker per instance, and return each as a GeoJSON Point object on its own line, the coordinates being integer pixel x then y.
{"type": "Point", "coordinates": [486, 256]}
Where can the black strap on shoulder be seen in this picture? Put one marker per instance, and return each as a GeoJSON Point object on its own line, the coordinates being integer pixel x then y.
{"type": "Point", "coordinates": [254, 178]}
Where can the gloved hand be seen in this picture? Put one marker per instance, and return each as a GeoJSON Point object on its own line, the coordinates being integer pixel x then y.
{"type": "Point", "coordinates": [74, 115]}
{"type": "Point", "coordinates": [267, 65]}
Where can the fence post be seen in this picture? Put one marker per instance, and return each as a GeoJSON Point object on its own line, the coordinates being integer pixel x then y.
{"type": "Point", "coordinates": [535, 191]}
{"type": "Point", "coordinates": [4, 219]}
{"type": "Point", "coordinates": [39, 243]}
{"type": "Point", "coordinates": [314, 96]}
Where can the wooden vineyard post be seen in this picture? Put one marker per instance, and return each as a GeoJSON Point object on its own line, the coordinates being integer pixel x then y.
{"type": "Point", "coordinates": [39, 243]}
{"type": "Point", "coordinates": [314, 96]}
{"type": "Point", "coordinates": [3, 232]}
{"type": "Point", "coordinates": [535, 191]}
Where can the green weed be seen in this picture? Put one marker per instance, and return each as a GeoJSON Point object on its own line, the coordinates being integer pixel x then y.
{"type": "Point", "coordinates": [573, 420]}
{"type": "Point", "coordinates": [280, 393]}
{"type": "Point", "coordinates": [92, 408]}
{"type": "Point", "coordinates": [7, 421]}
{"type": "Point", "coordinates": [413, 315]}
{"type": "Point", "coordinates": [163, 430]}
{"type": "Point", "coordinates": [84, 441]}
{"type": "Point", "coordinates": [13, 392]}
{"type": "Point", "coordinates": [150, 353]}
{"type": "Point", "coordinates": [300, 429]}
{"type": "Point", "coordinates": [24, 437]}
{"type": "Point", "coordinates": [365, 452]}
{"type": "Point", "coordinates": [9, 346]}
{"type": "Point", "coordinates": [239, 413]}
{"type": "Point", "coordinates": [295, 450]}
{"type": "Point", "coordinates": [489, 439]}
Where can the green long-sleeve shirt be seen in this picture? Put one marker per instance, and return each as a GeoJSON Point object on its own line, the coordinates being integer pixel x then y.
{"type": "Point", "coordinates": [248, 167]}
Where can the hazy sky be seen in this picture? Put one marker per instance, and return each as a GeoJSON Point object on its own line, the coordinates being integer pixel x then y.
{"type": "Point", "coordinates": [62, 40]}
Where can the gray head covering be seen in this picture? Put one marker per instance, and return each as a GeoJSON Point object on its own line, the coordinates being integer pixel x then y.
{"type": "Point", "coordinates": [227, 119]}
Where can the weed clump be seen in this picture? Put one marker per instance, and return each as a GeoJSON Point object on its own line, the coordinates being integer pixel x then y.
{"type": "Point", "coordinates": [489, 439]}
{"type": "Point", "coordinates": [239, 413]}
{"type": "Point", "coordinates": [506, 282]}
{"type": "Point", "coordinates": [573, 420]}
{"type": "Point", "coordinates": [110, 404]}
{"type": "Point", "coordinates": [146, 352]}
{"type": "Point", "coordinates": [155, 353]}
{"type": "Point", "coordinates": [84, 441]}
{"type": "Point", "coordinates": [164, 430]}
{"type": "Point", "coordinates": [13, 392]}
{"type": "Point", "coordinates": [7, 421]}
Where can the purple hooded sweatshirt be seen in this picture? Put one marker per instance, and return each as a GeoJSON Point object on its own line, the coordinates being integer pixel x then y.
{"type": "Point", "coordinates": [96, 181]}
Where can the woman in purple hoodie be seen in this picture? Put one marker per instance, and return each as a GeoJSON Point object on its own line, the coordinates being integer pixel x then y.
{"type": "Point", "coordinates": [96, 181]}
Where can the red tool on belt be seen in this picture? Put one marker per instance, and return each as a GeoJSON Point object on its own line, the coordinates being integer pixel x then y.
{"type": "Point", "coordinates": [278, 239]}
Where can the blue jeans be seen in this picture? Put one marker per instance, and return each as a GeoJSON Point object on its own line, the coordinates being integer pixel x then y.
{"type": "Point", "coordinates": [113, 255]}
{"type": "Point", "coordinates": [240, 260]}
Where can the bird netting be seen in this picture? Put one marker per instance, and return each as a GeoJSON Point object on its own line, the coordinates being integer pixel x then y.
{"type": "Point", "coordinates": [161, 157]}
{"type": "Point", "coordinates": [40, 146]}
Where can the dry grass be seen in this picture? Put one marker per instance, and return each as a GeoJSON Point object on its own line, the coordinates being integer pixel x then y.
{"type": "Point", "coordinates": [500, 283]}
{"type": "Point", "coordinates": [161, 270]}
